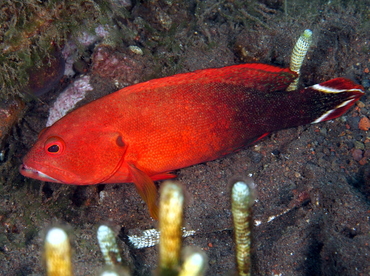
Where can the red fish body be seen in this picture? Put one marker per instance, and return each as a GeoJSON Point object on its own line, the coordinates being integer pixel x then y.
{"type": "Point", "coordinates": [143, 132]}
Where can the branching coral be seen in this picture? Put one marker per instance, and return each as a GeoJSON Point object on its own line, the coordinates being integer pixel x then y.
{"type": "Point", "coordinates": [58, 253]}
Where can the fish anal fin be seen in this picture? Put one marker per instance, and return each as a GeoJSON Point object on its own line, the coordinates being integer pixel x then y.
{"type": "Point", "coordinates": [162, 176]}
{"type": "Point", "coordinates": [255, 140]}
{"type": "Point", "coordinates": [146, 188]}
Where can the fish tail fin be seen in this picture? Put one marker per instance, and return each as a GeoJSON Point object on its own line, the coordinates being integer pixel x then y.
{"type": "Point", "coordinates": [146, 188]}
{"type": "Point", "coordinates": [335, 96]}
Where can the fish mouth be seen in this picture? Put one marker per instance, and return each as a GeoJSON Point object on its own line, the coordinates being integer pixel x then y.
{"type": "Point", "coordinates": [33, 173]}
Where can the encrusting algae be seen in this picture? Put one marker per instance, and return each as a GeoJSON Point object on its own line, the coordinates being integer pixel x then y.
{"type": "Point", "coordinates": [32, 34]}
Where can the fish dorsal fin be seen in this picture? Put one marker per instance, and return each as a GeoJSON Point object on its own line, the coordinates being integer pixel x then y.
{"type": "Point", "coordinates": [256, 76]}
{"type": "Point", "coordinates": [268, 78]}
{"type": "Point", "coordinates": [262, 77]}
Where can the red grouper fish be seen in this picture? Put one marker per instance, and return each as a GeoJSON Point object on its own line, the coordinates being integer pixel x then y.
{"type": "Point", "coordinates": [143, 132]}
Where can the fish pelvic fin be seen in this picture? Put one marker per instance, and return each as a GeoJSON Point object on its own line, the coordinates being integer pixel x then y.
{"type": "Point", "coordinates": [146, 188]}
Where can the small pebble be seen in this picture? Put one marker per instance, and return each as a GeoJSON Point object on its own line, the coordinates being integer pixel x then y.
{"type": "Point", "coordinates": [367, 145]}
{"type": "Point", "coordinates": [364, 124]}
{"type": "Point", "coordinates": [357, 154]}
{"type": "Point", "coordinates": [323, 131]}
{"type": "Point", "coordinates": [363, 161]}
{"type": "Point", "coordinates": [353, 122]}
{"type": "Point", "coordinates": [256, 157]}
{"type": "Point", "coordinates": [365, 83]}
{"type": "Point", "coordinates": [360, 104]}
{"type": "Point", "coordinates": [135, 49]}
{"type": "Point", "coordinates": [359, 145]}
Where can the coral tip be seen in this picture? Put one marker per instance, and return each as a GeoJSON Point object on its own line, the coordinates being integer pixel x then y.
{"type": "Point", "coordinates": [58, 253]}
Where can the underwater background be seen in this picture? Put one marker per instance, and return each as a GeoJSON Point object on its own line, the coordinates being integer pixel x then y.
{"type": "Point", "coordinates": [59, 55]}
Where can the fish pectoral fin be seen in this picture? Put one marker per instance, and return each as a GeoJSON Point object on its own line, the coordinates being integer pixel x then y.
{"type": "Point", "coordinates": [146, 188]}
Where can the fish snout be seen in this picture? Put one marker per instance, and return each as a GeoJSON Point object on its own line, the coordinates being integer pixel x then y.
{"type": "Point", "coordinates": [35, 174]}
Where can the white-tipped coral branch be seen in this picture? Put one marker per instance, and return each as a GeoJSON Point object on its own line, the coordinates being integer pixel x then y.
{"type": "Point", "coordinates": [241, 208]}
{"type": "Point", "coordinates": [170, 225]}
{"type": "Point", "coordinates": [58, 253]}
{"type": "Point", "coordinates": [194, 265]}
{"type": "Point", "coordinates": [111, 254]}
{"type": "Point", "coordinates": [299, 53]}
{"type": "Point", "coordinates": [108, 246]}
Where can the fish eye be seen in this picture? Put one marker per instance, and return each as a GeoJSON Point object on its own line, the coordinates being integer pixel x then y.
{"type": "Point", "coordinates": [54, 145]}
